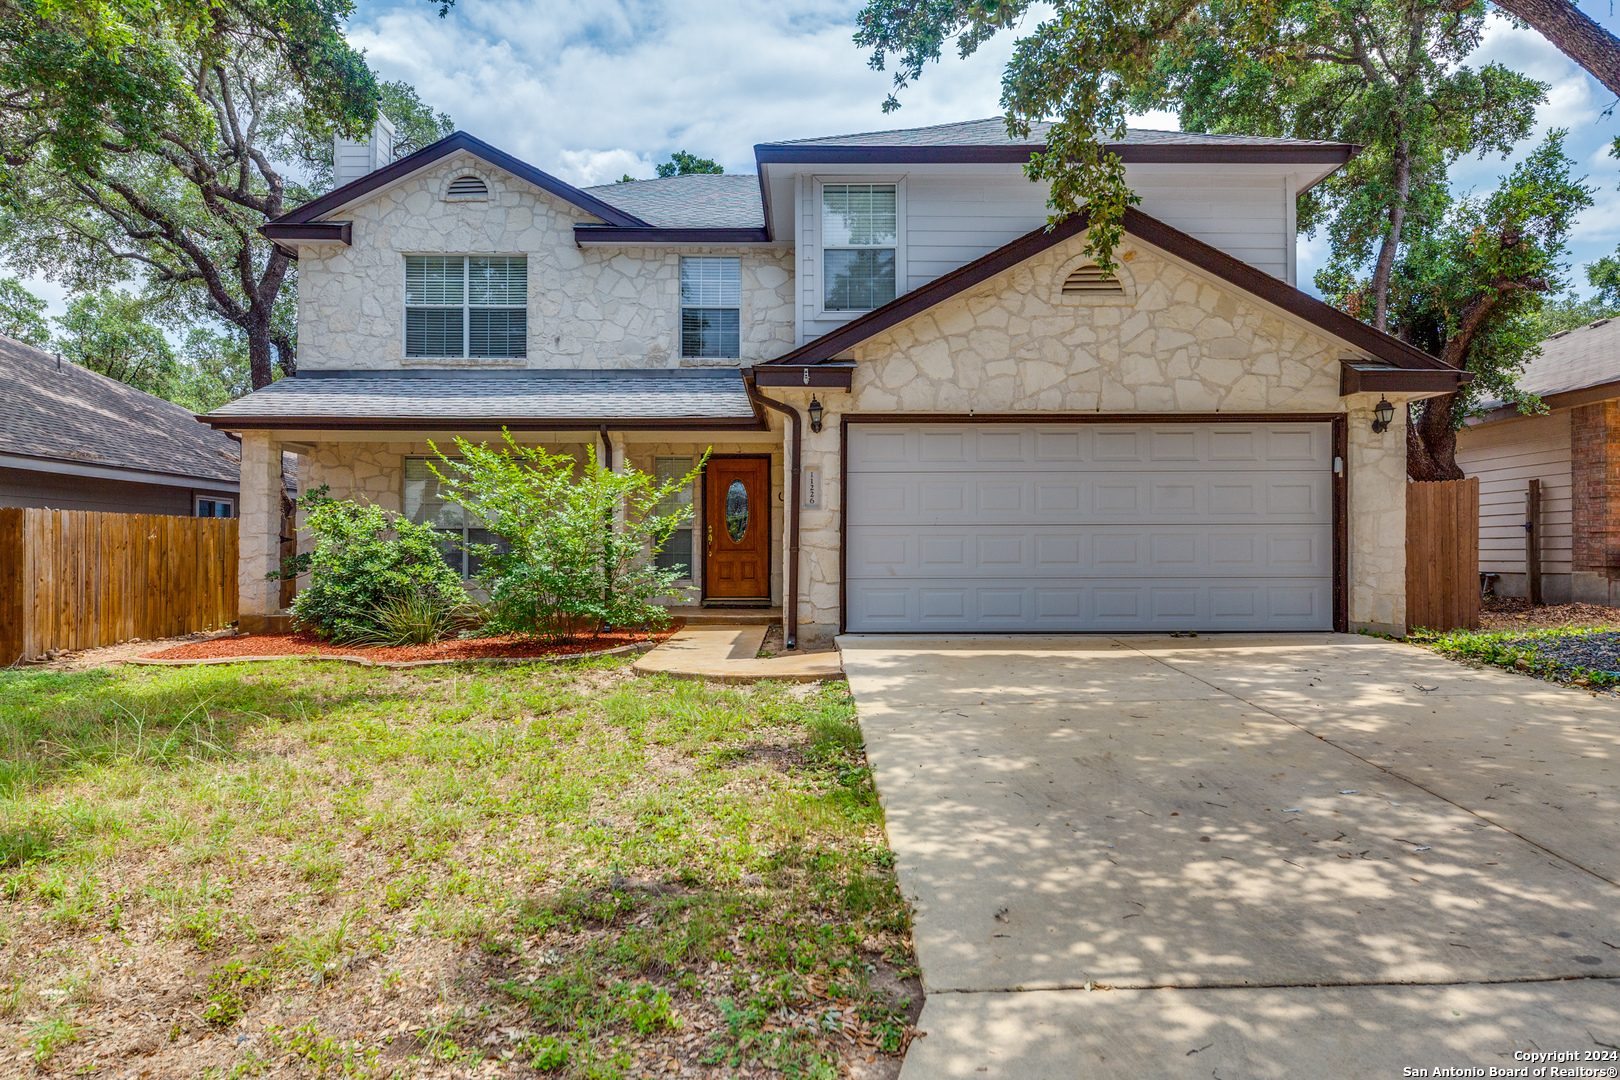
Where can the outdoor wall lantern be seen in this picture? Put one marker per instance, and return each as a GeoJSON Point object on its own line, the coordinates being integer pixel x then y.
{"type": "Point", "coordinates": [1383, 415]}
{"type": "Point", "coordinates": [815, 414]}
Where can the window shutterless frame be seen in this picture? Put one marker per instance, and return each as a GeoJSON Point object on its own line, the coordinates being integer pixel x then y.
{"type": "Point", "coordinates": [465, 307]}
{"type": "Point", "coordinates": [711, 307]}
{"type": "Point", "coordinates": [817, 191]}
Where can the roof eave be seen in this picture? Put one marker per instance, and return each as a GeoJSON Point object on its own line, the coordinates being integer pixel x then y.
{"type": "Point", "coordinates": [477, 423]}
{"type": "Point", "coordinates": [653, 236]}
{"type": "Point", "coordinates": [1017, 153]}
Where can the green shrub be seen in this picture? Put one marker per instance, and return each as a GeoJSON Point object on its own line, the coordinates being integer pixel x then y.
{"type": "Point", "coordinates": [577, 551]}
{"type": "Point", "coordinates": [416, 619]}
{"type": "Point", "coordinates": [364, 559]}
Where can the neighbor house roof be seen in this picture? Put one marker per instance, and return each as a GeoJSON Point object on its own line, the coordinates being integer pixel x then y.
{"type": "Point", "coordinates": [523, 400]}
{"type": "Point", "coordinates": [1397, 354]}
{"type": "Point", "coordinates": [694, 201]}
{"type": "Point", "coordinates": [59, 414]}
{"type": "Point", "coordinates": [988, 140]}
{"type": "Point", "coordinates": [1585, 358]}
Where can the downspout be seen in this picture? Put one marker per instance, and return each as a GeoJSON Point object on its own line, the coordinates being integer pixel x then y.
{"type": "Point", "coordinates": [791, 600]}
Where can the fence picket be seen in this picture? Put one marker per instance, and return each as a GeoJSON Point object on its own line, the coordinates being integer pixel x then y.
{"type": "Point", "coordinates": [1442, 554]}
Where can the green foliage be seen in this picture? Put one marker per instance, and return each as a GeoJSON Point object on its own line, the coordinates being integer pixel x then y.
{"type": "Point", "coordinates": [415, 619]}
{"type": "Point", "coordinates": [576, 548]}
{"type": "Point", "coordinates": [365, 557]}
{"type": "Point", "coordinates": [1383, 74]}
{"type": "Point", "coordinates": [232, 986]}
{"type": "Point", "coordinates": [48, 1036]}
{"type": "Point", "coordinates": [214, 370]}
{"type": "Point", "coordinates": [110, 331]}
{"type": "Point", "coordinates": [1568, 312]}
{"type": "Point", "coordinates": [22, 314]}
{"type": "Point", "coordinates": [1520, 650]}
{"type": "Point", "coordinates": [416, 124]}
{"type": "Point", "coordinates": [681, 163]}
{"type": "Point", "coordinates": [1604, 276]}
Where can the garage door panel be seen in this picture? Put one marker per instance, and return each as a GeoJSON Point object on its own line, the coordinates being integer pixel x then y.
{"type": "Point", "coordinates": [880, 553]}
{"type": "Point", "coordinates": [1106, 604]}
{"type": "Point", "coordinates": [1005, 498]}
{"type": "Point", "coordinates": [1101, 447]}
{"type": "Point", "coordinates": [1106, 527]}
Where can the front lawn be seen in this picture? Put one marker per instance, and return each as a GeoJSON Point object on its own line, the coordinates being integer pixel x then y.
{"type": "Point", "coordinates": [316, 870]}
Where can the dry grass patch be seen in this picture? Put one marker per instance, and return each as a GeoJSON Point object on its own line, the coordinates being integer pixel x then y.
{"type": "Point", "coordinates": [317, 870]}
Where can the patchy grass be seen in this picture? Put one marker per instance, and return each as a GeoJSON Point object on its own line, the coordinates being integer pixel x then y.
{"type": "Point", "coordinates": [318, 870]}
{"type": "Point", "coordinates": [1527, 651]}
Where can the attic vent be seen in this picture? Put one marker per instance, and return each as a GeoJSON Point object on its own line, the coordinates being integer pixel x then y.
{"type": "Point", "coordinates": [1595, 325]}
{"type": "Point", "coordinates": [1561, 333]}
{"type": "Point", "coordinates": [468, 187]}
{"type": "Point", "coordinates": [1091, 278]}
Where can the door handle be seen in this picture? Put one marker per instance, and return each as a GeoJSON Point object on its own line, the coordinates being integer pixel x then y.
{"type": "Point", "coordinates": [711, 539]}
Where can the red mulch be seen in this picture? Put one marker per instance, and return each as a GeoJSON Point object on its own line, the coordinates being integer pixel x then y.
{"type": "Point", "coordinates": [490, 648]}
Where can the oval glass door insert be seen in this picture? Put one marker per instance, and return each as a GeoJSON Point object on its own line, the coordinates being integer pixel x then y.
{"type": "Point", "coordinates": [737, 511]}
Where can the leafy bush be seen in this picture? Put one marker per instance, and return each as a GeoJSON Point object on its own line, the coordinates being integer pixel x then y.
{"type": "Point", "coordinates": [416, 619]}
{"type": "Point", "coordinates": [366, 559]}
{"type": "Point", "coordinates": [577, 548]}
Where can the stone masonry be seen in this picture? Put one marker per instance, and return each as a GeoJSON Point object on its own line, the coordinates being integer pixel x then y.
{"type": "Point", "coordinates": [588, 307]}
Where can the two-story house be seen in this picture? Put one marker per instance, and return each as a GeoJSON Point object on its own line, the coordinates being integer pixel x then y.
{"type": "Point", "coordinates": [925, 409]}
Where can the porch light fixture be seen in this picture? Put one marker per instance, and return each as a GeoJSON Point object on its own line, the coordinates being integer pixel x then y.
{"type": "Point", "coordinates": [1383, 415]}
{"type": "Point", "coordinates": [815, 414]}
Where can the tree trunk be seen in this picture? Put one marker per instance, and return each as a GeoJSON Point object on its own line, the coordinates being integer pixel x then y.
{"type": "Point", "coordinates": [1392, 241]}
{"type": "Point", "coordinates": [258, 338]}
{"type": "Point", "coordinates": [1576, 35]}
{"type": "Point", "coordinates": [1431, 440]}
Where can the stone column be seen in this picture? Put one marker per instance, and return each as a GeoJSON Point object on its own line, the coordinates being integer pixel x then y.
{"type": "Point", "coordinates": [259, 531]}
{"type": "Point", "coordinates": [1594, 434]}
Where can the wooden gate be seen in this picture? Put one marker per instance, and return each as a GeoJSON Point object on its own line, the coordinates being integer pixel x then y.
{"type": "Point", "coordinates": [1442, 555]}
{"type": "Point", "coordinates": [73, 579]}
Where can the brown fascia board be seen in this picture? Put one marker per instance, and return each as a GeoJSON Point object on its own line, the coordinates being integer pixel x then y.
{"type": "Point", "coordinates": [654, 236]}
{"type": "Point", "coordinates": [320, 232]}
{"type": "Point", "coordinates": [829, 376]}
{"type": "Point", "coordinates": [454, 143]}
{"type": "Point", "coordinates": [1212, 260]}
{"type": "Point", "coordinates": [1564, 399]}
{"type": "Point", "coordinates": [477, 423]}
{"type": "Point", "coordinates": [1360, 378]}
{"type": "Point", "coordinates": [1018, 153]}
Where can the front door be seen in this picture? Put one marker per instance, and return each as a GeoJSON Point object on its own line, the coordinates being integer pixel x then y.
{"type": "Point", "coordinates": [737, 528]}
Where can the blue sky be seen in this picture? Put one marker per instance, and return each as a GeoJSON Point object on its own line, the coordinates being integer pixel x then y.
{"type": "Point", "coordinates": [593, 89]}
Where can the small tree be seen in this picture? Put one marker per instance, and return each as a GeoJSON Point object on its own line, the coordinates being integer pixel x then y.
{"type": "Point", "coordinates": [576, 551]}
{"type": "Point", "coordinates": [366, 559]}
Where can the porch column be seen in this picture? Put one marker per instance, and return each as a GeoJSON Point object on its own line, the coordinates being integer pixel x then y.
{"type": "Point", "coordinates": [259, 530]}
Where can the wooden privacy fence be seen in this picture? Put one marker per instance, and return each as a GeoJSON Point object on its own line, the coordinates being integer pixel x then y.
{"type": "Point", "coordinates": [1442, 554]}
{"type": "Point", "coordinates": [71, 579]}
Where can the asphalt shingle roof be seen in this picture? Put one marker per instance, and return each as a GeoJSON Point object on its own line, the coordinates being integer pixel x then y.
{"type": "Point", "coordinates": [1573, 360]}
{"type": "Point", "coordinates": [74, 415]}
{"type": "Point", "coordinates": [530, 395]}
{"type": "Point", "coordinates": [695, 201]}
{"type": "Point", "coordinates": [992, 131]}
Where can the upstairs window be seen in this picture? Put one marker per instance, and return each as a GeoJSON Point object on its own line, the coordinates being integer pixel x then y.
{"type": "Point", "coordinates": [711, 307]}
{"type": "Point", "coordinates": [466, 306]}
{"type": "Point", "coordinates": [859, 236]}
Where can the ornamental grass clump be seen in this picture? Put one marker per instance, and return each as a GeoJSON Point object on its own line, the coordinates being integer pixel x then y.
{"type": "Point", "coordinates": [371, 573]}
{"type": "Point", "coordinates": [576, 539]}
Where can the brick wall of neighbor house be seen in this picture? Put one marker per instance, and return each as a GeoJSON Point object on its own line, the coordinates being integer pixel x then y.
{"type": "Point", "coordinates": [1177, 342]}
{"type": "Point", "coordinates": [588, 307]}
{"type": "Point", "coordinates": [1595, 480]}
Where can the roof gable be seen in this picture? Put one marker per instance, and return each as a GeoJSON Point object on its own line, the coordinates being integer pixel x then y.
{"type": "Point", "coordinates": [1375, 343]}
{"type": "Point", "coordinates": [457, 142]}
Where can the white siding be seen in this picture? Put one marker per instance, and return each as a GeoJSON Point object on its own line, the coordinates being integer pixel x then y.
{"type": "Point", "coordinates": [1506, 455]}
{"type": "Point", "coordinates": [1246, 217]}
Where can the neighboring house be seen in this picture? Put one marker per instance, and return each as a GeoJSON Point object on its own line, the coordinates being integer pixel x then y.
{"type": "Point", "coordinates": [926, 410]}
{"type": "Point", "coordinates": [1573, 448]}
{"type": "Point", "coordinates": [71, 439]}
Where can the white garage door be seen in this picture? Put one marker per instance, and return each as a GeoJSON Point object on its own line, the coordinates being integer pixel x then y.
{"type": "Point", "coordinates": [1102, 527]}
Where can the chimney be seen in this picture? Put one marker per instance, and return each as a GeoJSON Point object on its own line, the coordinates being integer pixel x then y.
{"type": "Point", "coordinates": [353, 159]}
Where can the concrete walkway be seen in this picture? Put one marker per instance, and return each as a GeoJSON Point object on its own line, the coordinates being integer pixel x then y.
{"type": "Point", "coordinates": [1268, 857]}
{"type": "Point", "coordinates": [728, 654]}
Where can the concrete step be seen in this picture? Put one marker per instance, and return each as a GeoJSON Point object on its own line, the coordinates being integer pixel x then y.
{"type": "Point", "coordinates": [727, 616]}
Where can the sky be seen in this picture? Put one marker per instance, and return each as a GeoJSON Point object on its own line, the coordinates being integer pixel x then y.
{"type": "Point", "coordinates": [592, 89]}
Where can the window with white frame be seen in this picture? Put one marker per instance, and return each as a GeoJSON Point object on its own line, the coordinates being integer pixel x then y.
{"type": "Point", "coordinates": [458, 527]}
{"type": "Point", "coordinates": [213, 506]}
{"type": "Point", "coordinates": [711, 307]}
{"type": "Point", "coordinates": [859, 241]}
{"type": "Point", "coordinates": [676, 552]}
{"type": "Point", "coordinates": [466, 305]}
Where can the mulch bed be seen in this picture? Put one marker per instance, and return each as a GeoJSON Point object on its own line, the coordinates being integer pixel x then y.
{"type": "Point", "coordinates": [1517, 613]}
{"type": "Point", "coordinates": [489, 648]}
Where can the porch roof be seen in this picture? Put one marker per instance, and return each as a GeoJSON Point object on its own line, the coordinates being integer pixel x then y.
{"type": "Point", "coordinates": [526, 400]}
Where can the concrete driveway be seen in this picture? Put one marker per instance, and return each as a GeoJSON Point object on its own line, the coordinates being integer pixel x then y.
{"type": "Point", "coordinates": [1244, 856]}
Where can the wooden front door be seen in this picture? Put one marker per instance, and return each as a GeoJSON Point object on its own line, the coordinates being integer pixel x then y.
{"type": "Point", "coordinates": [737, 528]}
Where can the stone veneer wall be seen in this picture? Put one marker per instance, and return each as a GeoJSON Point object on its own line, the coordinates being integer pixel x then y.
{"type": "Point", "coordinates": [1176, 342]}
{"type": "Point", "coordinates": [588, 307]}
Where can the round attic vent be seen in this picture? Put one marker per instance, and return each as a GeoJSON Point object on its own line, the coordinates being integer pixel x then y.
{"type": "Point", "coordinates": [468, 187]}
{"type": "Point", "coordinates": [1091, 278]}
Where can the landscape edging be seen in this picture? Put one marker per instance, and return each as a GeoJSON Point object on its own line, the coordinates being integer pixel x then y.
{"type": "Point", "coordinates": [622, 650]}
